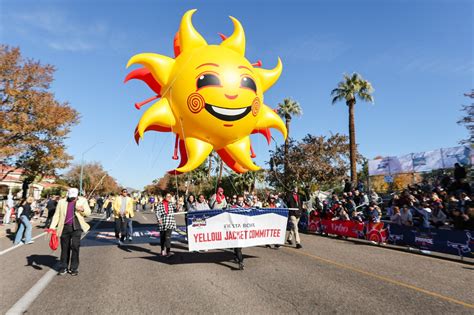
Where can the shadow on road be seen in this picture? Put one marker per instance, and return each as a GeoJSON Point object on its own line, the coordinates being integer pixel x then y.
{"type": "Point", "coordinates": [40, 261]}
{"type": "Point", "coordinates": [222, 257]}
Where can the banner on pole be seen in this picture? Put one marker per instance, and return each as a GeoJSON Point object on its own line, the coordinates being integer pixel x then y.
{"type": "Point", "coordinates": [218, 229]}
{"type": "Point", "coordinates": [422, 161]}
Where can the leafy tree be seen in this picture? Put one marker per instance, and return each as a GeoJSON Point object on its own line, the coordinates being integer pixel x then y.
{"type": "Point", "coordinates": [34, 123]}
{"type": "Point", "coordinates": [315, 161]}
{"type": "Point", "coordinates": [94, 180]}
{"type": "Point", "coordinates": [352, 87]}
{"type": "Point", "coordinates": [468, 119]}
{"type": "Point", "coordinates": [287, 110]}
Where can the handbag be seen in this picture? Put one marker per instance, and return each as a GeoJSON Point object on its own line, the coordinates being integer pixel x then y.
{"type": "Point", "coordinates": [54, 240]}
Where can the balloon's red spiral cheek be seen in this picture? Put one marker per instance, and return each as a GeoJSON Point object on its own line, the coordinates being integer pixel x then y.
{"type": "Point", "coordinates": [255, 106]}
{"type": "Point", "coordinates": [195, 103]}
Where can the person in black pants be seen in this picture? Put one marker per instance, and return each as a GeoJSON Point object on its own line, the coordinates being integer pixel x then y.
{"type": "Point", "coordinates": [69, 222]}
{"type": "Point", "coordinates": [51, 206]}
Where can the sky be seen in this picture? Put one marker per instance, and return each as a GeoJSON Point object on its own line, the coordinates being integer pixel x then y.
{"type": "Point", "coordinates": [417, 54]}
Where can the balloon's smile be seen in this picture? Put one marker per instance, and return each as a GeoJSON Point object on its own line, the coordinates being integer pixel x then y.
{"type": "Point", "coordinates": [228, 114]}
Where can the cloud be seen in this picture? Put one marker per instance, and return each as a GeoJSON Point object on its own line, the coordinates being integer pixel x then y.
{"type": "Point", "coordinates": [57, 30]}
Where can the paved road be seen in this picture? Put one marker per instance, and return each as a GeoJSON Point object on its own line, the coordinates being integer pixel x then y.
{"type": "Point", "coordinates": [326, 276]}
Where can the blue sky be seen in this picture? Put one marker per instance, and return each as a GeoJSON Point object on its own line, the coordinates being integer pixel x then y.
{"type": "Point", "coordinates": [417, 54]}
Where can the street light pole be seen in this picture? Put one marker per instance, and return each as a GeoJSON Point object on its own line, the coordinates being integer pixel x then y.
{"type": "Point", "coordinates": [82, 166]}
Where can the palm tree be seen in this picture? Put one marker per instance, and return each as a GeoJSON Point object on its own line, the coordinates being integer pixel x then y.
{"type": "Point", "coordinates": [348, 89]}
{"type": "Point", "coordinates": [287, 110]}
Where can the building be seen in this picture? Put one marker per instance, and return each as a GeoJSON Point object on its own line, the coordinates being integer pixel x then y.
{"type": "Point", "coordinates": [11, 182]}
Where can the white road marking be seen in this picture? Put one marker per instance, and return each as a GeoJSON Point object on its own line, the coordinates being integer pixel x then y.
{"type": "Point", "coordinates": [26, 300]}
{"type": "Point", "coordinates": [21, 244]}
{"type": "Point", "coordinates": [21, 306]}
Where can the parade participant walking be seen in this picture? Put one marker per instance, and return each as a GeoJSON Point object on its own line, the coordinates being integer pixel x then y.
{"type": "Point", "coordinates": [239, 258]}
{"type": "Point", "coordinates": [166, 223]}
{"type": "Point", "coordinates": [201, 203]}
{"type": "Point", "coordinates": [218, 200]}
{"type": "Point", "coordinates": [293, 200]}
{"type": "Point", "coordinates": [25, 214]}
{"type": "Point", "coordinates": [123, 212]}
{"type": "Point", "coordinates": [108, 206]}
{"type": "Point", "coordinates": [51, 206]}
{"type": "Point", "coordinates": [69, 222]}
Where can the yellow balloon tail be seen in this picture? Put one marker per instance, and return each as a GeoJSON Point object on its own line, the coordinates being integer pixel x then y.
{"type": "Point", "coordinates": [240, 152]}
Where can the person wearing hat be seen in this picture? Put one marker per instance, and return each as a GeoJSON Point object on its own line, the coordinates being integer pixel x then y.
{"type": "Point", "coordinates": [69, 222]}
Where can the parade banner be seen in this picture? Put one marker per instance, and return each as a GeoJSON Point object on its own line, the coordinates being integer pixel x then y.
{"type": "Point", "coordinates": [455, 155]}
{"type": "Point", "coordinates": [421, 161]}
{"type": "Point", "coordinates": [454, 242]}
{"type": "Point", "coordinates": [218, 229]}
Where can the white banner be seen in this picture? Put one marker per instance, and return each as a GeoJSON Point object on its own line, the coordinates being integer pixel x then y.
{"type": "Point", "coordinates": [422, 161]}
{"type": "Point", "coordinates": [217, 229]}
{"type": "Point", "coordinates": [459, 155]}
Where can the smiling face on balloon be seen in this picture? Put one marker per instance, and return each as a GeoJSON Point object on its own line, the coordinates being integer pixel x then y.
{"type": "Point", "coordinates": [218, 87]}
{"type": "Point", "coordinates": [211, 97]}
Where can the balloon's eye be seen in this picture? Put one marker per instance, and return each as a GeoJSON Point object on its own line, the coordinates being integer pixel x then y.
{"type": "Point", "coordinates": [248, 83]}
{"type": "Point", "coordinates": [208, 80]}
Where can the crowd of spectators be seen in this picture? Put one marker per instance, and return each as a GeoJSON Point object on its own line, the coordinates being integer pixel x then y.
{"type": "Point", "coordinates": [444, 202]}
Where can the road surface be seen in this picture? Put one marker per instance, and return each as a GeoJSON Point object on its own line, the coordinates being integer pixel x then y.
{"type": "Point", "coordinates": [326, 276]}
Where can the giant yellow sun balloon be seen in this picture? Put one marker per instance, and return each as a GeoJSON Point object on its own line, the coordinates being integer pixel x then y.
{"type": "Point", "coordinates": [211, 97]}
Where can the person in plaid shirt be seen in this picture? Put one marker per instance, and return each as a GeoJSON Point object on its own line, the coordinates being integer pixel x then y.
{"type": "Point", "coordinates": [166, 223]}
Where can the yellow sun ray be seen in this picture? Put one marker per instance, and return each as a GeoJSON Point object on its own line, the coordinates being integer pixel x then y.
{"type": "Point", "coordinates": [236, 41]}
{"type": "Point", "coordinates": [239, 151]}
{"type": "Point", "coordinates": [197, 151]}
{"type": "Point", "coordinates": [269, 77]}
{"type": "Point", "coordinates": [159, 114]}
{"type": "Point", "coordinates": [269, 119]}
{"type": "Point", "coordinates": [160, 66]}
{"type": "Point", "coordinates": [188, 36]}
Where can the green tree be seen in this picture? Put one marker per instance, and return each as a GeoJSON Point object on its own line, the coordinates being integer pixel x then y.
{"type": "Point", "coordinates": [287, 110]}
{"type": "Point", "coordinates": [96, 180]}
{"type": "Point", "coordinates": [34, 124]}
{"type": "Point", "coordinates": [315, 161]}
{"type": "Point", "coordinates": [348, 90]}
{"type": "Point", "coordinates": [468, 119]}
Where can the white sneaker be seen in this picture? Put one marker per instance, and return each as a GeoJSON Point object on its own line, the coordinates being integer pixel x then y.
{"type": "Point", "coordinates": [30, 242]}
{"type": "Point", "coordinates": [119, 242]}
{"type": "Point", "coordinates": [163, 253]}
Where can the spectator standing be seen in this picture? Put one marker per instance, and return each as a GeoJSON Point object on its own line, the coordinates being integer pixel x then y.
{"type": "Point", "coordinates": [123, 212]}
{"type": "Point", "coordinates": [201, 203]}
{"type": "Point", "coordinates": [396, 218]}
{"type": "Point", "coordinates": [293, 200]}
{"type": "Point", "coordinates": [166, 223]}
{"type": "Point", "coordinates": [25, 213]}
{"type": "Point", "coordinates": [191, 203]}
{"type": "Point", "coordinates": [459, 172]}
{"type": "Point", "coordinates": [218, 200]}
{"type": "Point", "coordinates": [8, 209]}
{"type": "Point", "coordinates": [406, 216]}
{"type": "Point", "coordinates": [69, 221]}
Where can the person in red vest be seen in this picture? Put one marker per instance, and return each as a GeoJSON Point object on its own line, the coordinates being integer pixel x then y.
{"type": "Point", "coordinates": [294, 202]}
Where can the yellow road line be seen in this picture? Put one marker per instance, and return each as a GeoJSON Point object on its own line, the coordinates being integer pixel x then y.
{"type": "Point", "coordinates": [446, 298]}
